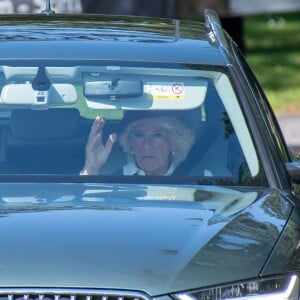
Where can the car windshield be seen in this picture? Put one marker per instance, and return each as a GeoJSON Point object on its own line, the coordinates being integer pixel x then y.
{"type": "Point", "coordinates": [174, 122]}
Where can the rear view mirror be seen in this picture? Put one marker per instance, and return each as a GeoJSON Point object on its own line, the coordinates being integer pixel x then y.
{"type": "Point", "coordinates": [113, 89]}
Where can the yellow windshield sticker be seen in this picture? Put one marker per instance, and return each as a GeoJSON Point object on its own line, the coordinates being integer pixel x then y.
{"type": "Point", "coordinates": [164, 91]}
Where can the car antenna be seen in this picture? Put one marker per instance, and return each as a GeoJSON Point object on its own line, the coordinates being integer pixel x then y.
{"type": "Point", "coordinates": [48, 10]}
{"type": "Point", "coordinates": [214, 25]}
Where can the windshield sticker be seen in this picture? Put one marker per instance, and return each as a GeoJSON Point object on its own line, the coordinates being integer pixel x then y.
{"type": "Point", "coordinates": [165, 91]}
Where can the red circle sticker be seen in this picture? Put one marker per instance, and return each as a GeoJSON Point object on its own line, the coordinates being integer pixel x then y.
{"type": "Point", "coordinates": [177, 88]}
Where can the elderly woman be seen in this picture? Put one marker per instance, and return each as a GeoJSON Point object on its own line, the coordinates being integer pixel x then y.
{"type": "Point", "coordinates": [155, 145]}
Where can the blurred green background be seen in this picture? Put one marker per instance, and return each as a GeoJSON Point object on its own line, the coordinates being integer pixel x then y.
{"type": "Point", "coordinates": [272, 45]}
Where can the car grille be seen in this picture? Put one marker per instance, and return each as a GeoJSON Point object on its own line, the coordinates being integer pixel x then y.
{"type": "Point", "coordinates": [67, 294]}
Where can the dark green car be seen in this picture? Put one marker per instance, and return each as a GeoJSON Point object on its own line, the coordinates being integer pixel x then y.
{"type": "Point", "coordinates": [140, 160]}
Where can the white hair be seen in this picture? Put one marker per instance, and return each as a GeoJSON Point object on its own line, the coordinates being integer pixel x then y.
{"type": "Point", "coordinates": [182, 137]}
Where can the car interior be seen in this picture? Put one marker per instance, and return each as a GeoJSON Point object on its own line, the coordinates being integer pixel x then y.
{"type": "Point", "coordinates": [51, 139]}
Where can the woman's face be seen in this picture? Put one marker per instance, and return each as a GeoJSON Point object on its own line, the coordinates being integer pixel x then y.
{"type": "Point", "coordinates": [151, 146]}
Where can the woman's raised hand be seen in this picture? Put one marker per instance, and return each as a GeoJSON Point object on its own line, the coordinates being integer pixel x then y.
{"type": "Point", "coordinates": [96, 152]}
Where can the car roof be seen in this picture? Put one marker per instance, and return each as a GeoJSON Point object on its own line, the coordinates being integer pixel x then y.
{"type": "Point", "coordinates": [69, 37]}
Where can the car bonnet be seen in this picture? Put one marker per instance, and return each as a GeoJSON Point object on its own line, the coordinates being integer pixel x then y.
{"type": "Point", "coordinates": [156, 239]}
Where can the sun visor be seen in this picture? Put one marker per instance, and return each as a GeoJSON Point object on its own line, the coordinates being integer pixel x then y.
{"type": "Point", "coordinates": [25, 95]}
{"type": "Point", "coordinates": [151, 93]}
{"type": "Point", "coordinates": [28, 73]}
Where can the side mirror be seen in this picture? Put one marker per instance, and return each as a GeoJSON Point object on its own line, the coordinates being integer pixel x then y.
{"type": "Point", "coordinates": [293, 168]}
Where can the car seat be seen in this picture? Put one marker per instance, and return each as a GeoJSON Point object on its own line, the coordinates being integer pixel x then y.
{"type": "Point", "coordinates": [46, 141]}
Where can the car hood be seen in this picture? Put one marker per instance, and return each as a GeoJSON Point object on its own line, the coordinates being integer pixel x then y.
{"type": "Point", "coordinates": [155, 239]}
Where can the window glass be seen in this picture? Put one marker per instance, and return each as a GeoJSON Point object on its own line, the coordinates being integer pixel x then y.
{"type": "Point", "coordinates": [125, 121]}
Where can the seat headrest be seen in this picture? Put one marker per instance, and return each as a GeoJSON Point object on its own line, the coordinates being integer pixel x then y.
{"type": "Point", "coordinates": [48, 124]}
